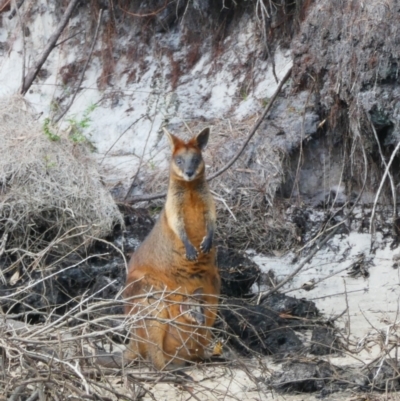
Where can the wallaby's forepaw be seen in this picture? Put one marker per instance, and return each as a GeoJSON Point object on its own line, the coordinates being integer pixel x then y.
{"type": "Point", "coordinates": [206, 244]}
{"type": "Point", "coordinates": [191, 253]}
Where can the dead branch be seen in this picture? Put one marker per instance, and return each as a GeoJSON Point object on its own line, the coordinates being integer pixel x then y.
{"type": "Point", "coordinates": [5, 6]}
{"type": "Point", "coordinates": [32, 73]}
{"type": "Point", "coordinates": [123, 133]}
{"type": "Point", "coordinates": [300, 267]}
{"type": "Point", "coordinates": [392, 184]}
{"type": "Point", "coordinates": [381, 186]}
{"type": "Point", "coordinates": [255, 127]}
{"type": "Point", "coordinates": [146, 198]}
{"type": "Point", "coordinates": [83, 71]}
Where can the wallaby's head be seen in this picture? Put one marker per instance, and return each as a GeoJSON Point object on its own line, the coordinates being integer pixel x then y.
{"type": "Point", "coordinates": [187, 162]}
{"type": "Point", "coordinates": [194, 312]}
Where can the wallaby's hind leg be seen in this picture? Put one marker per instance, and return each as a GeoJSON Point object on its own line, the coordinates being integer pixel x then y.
{"type": "Point", "coordinates": [155, 346]}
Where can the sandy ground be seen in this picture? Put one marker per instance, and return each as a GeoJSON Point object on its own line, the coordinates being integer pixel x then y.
{"type": "Point", "coordinates": [230, 384]}
{"type": "Point", "coordinates": [369, 304]}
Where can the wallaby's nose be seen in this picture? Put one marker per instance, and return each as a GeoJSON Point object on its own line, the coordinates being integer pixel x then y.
{"type": "Point", "coordinates": [189, 173]}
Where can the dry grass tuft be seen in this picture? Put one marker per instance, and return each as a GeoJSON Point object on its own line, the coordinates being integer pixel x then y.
{"type": "Point", "coordinates": [51, 195]}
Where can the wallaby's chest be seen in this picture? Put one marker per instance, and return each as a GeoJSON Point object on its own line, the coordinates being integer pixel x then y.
{"type": "Point", "coordinates": [194, 210]}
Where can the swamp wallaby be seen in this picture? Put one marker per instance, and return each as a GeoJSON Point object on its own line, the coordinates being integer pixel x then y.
{"type": "Point", "coordinates": [177, 256]}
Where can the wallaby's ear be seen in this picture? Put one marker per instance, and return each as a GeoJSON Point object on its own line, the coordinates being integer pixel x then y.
{"type": "Point", "coordinates": [198, 293]}
{"type": "Point", "coordinates": [202, 138]}
{"type": "Point", "coordinates": [173, 140]}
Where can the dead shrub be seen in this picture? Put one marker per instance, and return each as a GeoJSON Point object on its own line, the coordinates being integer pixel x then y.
{"type": "Point", "coordinates": [51, 195]}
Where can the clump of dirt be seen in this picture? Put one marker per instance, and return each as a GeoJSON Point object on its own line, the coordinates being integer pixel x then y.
{"type": "Point", "coordinates": [291, 306]}
{"type": "Point", "coordinates": [308, 376]}
{"type": "Point", "coordinates": [51, 195]}
{"type": "Point", "coordinates": [324, 341]}
{"type": "Point", "coordinates": [271, 327]}
{"type": "Point", "coordinates": [256, 328]}
{"type": "Point", "coordinates": [238, 272]}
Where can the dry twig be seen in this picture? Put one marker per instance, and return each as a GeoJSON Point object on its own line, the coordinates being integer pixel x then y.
{"type": "Point", "coordinates": [68, 106]}
{"type": "Point", "coordinates": [32, 73]}
{"type": "Point", "coordinates": [396, 149]}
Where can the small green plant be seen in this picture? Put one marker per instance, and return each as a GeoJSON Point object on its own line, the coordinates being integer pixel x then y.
{"type": "Point", "coordinates": [152, 164]}
{"type": "Point", "coordinates": [48, 132]}
{"type": "Point", "coordinates": [77, 127]}
{"type": "Point", "coordinates": [244, 95]}
{"type": "Point", "coordinates": [49, 163]}
{"type": "Point", "coordinates": [155, 211]}
{"type": "Point", "coordinates": [265, 102]}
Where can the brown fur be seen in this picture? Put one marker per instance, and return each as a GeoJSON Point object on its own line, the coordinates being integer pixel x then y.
{"type": "Point", "coordinates": [183, 334]}
{"type": "Point", "coordinates": [177, 256]}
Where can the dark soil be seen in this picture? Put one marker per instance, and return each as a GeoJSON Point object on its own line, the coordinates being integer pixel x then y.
{"type": "Point", "coordinates": [268, 328]}
{"type": "Point", "coordinates": [238, 272]}
{"type": "Point", "coordinates": [304, 377]}
{"type": "Point", "coordinates": [257, 328]}
{"type": "Point", "coordinates": [324, 341]}
{"type": "Point", "coordinates": [308, 376]}
{"type": "Point", "coordinates": [292, 306]}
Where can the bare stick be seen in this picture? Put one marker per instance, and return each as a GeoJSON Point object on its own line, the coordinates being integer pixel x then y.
{"type": "Point", "coordinates": [381, 186]}
{"type": "Point", "coordinates": [32, 73]}
{"type": "Point", "coordinates": [130, 126]}
{"type": "Point", "coordinates": [84, 70]}
{"type": "Point", "coordinates": [302, 264]}
{"type": "Point", "coordinates": [16, 394]}
{"type": "Point", "coordinates": [152, 13]}
{"type": "Point", "coordinates": [31, 285]}
{"type": "Point", "coordinates": [348, 311]}
{"type": "Point", "coordinates": [5, 5]}
{"type": "Point", "coordinates": [145, 198]}
{"type": "Point", "coordinates": [392, 184]}
{"type": "Point", "coordinates": [255, 127]}
{"type": "Point", "coordinates": [69, 38]}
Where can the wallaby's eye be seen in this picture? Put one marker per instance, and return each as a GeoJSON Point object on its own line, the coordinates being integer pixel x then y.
{"type": "Point", "coordinates": [196, 159]}
{"type": "Point", "coordinates": [178, 161]}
